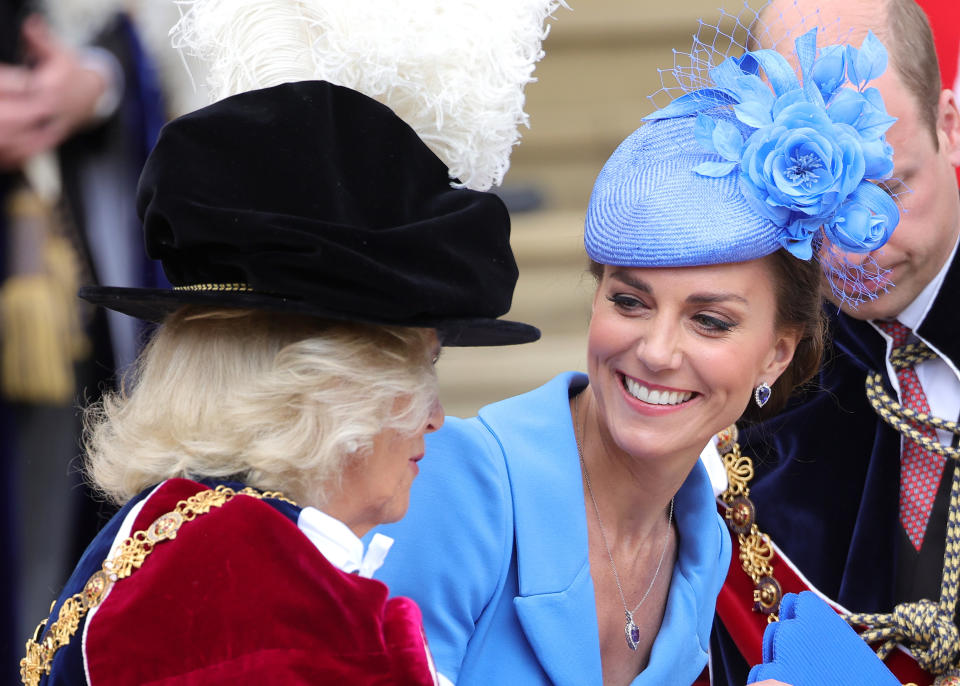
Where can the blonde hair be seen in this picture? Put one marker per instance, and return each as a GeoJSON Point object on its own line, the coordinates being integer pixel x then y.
{"type": "Point", "coordinates": [277, 401]}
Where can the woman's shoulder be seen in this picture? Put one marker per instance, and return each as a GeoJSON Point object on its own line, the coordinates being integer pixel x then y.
{"type": "Point", "coordinates": [540, 404]}
{"type": "Point", "coordinates": [237, 581]}
{"type": "Point", "coordinates": [705, 540]}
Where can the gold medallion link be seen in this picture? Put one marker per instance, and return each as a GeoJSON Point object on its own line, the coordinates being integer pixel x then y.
{"type": "Point", "coordinates": [756, 552]}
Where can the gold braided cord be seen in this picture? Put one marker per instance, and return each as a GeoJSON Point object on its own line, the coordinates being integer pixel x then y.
{"type": "Point", "coordinates": [927, 628]}
{"type": "Point", "coordinates": [907, 356]}
{"type": "Point", "coordinates": [130, 556]}
{"type": "Point", "coordinates": [904, 419]}
{"type": "Point", "coordinates": [924, 626]}
{"type": "Point", "coordinates": [216, 287]}
{"type": "Point", "coordinates": [896, 416]}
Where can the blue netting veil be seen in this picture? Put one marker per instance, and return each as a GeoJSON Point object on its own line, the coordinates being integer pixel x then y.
{"type": "Point", "coordinates": [764, 138]}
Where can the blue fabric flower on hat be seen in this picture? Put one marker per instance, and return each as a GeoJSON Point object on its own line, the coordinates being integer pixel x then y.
{"type": "Point", "coordinates": [804, 149]}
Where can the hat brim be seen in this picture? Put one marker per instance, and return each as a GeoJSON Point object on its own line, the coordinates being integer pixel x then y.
{"type": "Point", "coordinates": [155, 304]}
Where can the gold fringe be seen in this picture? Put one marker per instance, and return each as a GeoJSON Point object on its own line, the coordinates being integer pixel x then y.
{"type": "Point", "coordinates": [42, 332]}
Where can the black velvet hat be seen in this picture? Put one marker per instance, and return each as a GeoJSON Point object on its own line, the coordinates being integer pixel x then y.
{"type": "Point", "coordinates": [312, 198]}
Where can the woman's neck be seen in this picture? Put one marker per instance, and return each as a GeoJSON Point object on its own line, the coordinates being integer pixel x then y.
{"type": "Point", "coordinates": [632, 494]}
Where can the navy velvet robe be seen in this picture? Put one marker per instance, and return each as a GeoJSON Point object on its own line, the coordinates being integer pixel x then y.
{"type": "Point", "coordinates": [827, 480]}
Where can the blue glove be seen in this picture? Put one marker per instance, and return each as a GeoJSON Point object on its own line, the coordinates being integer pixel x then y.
{"type": "Point", "coordinates": [812, 646]}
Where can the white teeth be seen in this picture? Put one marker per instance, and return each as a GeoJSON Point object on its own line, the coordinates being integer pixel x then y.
{"type": "Point", "coordinates": [641, 392]}
{"type": "Point", "coordinates": [647, 395]}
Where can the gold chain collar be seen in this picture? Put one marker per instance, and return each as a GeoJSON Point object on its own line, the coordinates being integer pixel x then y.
{"type": "Point", "coordinates": [130, 556]}
{"type": "Point", "coordinates": [741, 514]}
{"type": "Point", "coordinates": [756, 554]}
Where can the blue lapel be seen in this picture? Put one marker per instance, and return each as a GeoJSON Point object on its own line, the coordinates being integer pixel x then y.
{"type": "Point", "coordinates": [555, 605]}
{"type": "Point", "coordinates": [703, 557]}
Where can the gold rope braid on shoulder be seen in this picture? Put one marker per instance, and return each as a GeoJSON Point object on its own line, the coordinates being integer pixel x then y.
{"type": "Point", "coordinates": [741, 515]}
{"type": "Point", "coordinates": [130, 556]}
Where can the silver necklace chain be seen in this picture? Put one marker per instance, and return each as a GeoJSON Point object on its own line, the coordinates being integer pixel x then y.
{"type": "Point", "coordinates": [630, 629]}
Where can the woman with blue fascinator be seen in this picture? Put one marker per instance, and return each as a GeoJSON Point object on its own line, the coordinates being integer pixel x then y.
{"type": "Point", "coordinates": [570, 535]}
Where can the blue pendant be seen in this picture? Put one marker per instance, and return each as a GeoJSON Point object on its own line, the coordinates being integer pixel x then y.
{"type": "Point", "coordinates": [632, 632]}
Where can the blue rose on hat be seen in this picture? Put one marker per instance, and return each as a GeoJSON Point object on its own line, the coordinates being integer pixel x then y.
{"type": "Point", "coordinates": [805, 151]}
{"type": "Point", "coordinates": [855, 228]}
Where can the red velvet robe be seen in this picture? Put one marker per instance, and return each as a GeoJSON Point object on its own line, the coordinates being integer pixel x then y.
{"type": "Point", "coordinates": [242, 596]}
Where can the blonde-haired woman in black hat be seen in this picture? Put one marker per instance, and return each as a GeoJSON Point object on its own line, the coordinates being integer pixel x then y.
{"type": "Point", "coordinates": [279, 412]}
{"type": "Point", "coordinates": [320, 254]}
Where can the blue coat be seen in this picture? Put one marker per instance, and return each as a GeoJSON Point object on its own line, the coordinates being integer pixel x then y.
{"type": "Point", "coordinates": [494, 550]}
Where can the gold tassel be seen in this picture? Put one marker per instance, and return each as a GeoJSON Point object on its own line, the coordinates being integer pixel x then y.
{"type": "Point", "coordinates": [42, 332]}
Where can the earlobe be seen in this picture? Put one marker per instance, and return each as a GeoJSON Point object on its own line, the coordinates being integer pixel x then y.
{"type": "Point", "coordinates": [948, 126]}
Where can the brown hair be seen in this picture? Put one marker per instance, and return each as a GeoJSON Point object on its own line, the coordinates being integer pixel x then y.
{"type": "Point", "coordinates": [914, 56]}
{"type": "Point", "coordinates": [799, 307]}
{"type": "Point", "coordinates": [798, 297]}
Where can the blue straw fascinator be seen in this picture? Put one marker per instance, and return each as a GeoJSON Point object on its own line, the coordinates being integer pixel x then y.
{"type": "Point", "coordinates": [754, 156]}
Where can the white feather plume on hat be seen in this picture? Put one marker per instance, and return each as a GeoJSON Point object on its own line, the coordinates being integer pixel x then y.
{"type": "Point", "coordinates": [454, 71]}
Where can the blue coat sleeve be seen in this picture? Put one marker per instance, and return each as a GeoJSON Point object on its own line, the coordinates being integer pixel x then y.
{"type": "Point", "coordinates": [453, 548]}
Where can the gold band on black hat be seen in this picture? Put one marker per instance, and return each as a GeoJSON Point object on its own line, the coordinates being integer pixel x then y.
{"type": "Point", "coordinates": [216, 287]}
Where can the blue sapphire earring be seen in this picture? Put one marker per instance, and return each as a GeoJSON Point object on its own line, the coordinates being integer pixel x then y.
{"type": "Point", "coordinates": [761, 394]}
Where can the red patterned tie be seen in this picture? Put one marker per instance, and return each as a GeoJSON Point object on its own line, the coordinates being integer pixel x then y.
{"type": "Point", "coordinates": [920, 469]}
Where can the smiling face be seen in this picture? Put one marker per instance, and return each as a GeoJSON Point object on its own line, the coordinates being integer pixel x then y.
{"type": "Point", "coordinates": [675, 353]}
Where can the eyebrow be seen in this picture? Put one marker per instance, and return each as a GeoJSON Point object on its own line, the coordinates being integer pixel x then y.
{"type": "Point", "coordinates": [627, 278]}
{"type": "Point", "coordinates": [709, 298]}
{"type": "Point", "coordinates": [694, 298]}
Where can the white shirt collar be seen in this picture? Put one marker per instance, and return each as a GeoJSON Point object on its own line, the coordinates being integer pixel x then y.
{"type": "Point", "coordinates": [914, 313]}
{"type": "Point", "coordinates": [340, 545]}
{"type": "Point", "coordinates": [716, 470]}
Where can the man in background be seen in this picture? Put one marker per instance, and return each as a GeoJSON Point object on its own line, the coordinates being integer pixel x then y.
{"type": "Point", "coordinates": [859, 508]}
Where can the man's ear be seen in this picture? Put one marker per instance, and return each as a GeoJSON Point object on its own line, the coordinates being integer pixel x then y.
{"type": "Point", "coordinates": [948, 126]}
